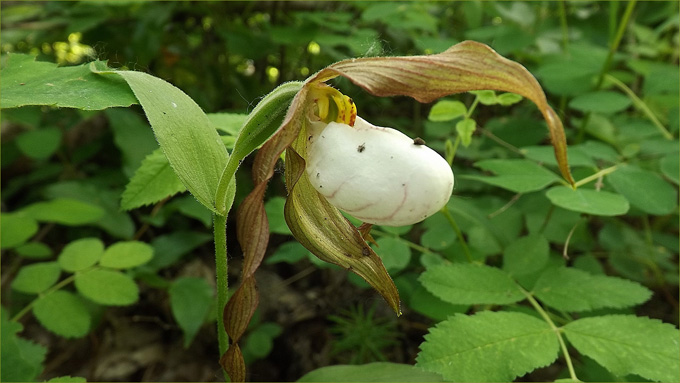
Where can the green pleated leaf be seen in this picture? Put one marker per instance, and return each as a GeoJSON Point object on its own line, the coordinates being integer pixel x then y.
{"type": "Point", "coordinates": [626, 344]}
{"type": "Point", "coordinates": [152, 182]}
{"type": "Point", "coordinates": [16, 229]}
{"type": "Point", "coordinates": [526, 255]}
{"type": "Point", "coordinates": [516, 175]}
{"type": "Point", "coordinates": [260, 125]}
{"type": "Point", "coordinates": [125, 255]}
{"type": "Point", "coordinates": [186, 135]}
{"type": "Point", "coordinates": [588, 201]}
{"type": "Point", "coordinates": [485, 347]}
{"type": "Point", "coordinates": [29, 82]}
{"type": "Point", "coordinates": [464, 283]}
{"type": "Point", "coordinates": [81, 254]}
{"type": "Point", "coordinates": [371, 372]}
{"type": "Point", "coordinates": [569, 289]}
{"type": "Point", "coordinates": [645, 190]}
{"type": "Point", "coordinates": [63, 313]}
{"type": "Point", "coordinates": [190, 301]}
{"type": "Point", "coordinates": [36, 278]}
{"type": "Point", "coordinates": [107, 287]}
{"type": "Point", "coordinates": [64, 211]}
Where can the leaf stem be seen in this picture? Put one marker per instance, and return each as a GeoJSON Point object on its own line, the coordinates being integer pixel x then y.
{"type": "Point", "coordinates": [563, 26]}
{"type": "Point", "coordinates": [557, 330]}
{"type": "Point", "coordinates": [221, 268]}
{"type": "Point", "coordinates": [595, 176]}
{"type": "Point", "coordinates": [640, 104]}
{"type": "Point", "coordinates": [52, 289]}
{"type": "Point", "coordinates": [454, 225]}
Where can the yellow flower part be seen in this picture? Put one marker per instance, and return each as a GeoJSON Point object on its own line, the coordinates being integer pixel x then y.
{"type": "Point", "coordinates": [333, 106]}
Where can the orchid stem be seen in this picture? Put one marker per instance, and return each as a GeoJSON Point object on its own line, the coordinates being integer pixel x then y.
{"type": "Point", "coordinates": [221, 268]}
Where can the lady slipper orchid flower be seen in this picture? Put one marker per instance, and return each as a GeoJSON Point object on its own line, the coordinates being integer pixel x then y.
{"type": "Point", "coordinates": [336, 160]}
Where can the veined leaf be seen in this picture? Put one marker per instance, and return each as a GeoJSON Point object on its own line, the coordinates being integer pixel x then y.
{"type": "Point", "coordinates": [464, 283]}
{"type": "Point", "coordinates": [81, 254]}
{"type": "Point", "coordinates": [107, 287]}
{"type": "Point", "coordinates": [625, 344]}
{"type": "Point", "coordinates": [484, 347]}
{"type": "Point", "coordinates": [125, 255]}
{"type": "Point", "coordinates": [517, 175]}
{"type": "Point", "coordinates": [575, 290]}
{"type": "Point", "coordinates": [371, 372]}
{"type": "Point", "coordinates": [29, 82]}
{"type": "Point", "coordinates": [644, 189]}
{"type": "Point", "coordinates": [185, 134]}
{"type": "Point", "coordinates": [190, 300]}
{"type": "Point", "coordinates": [36, 278]}
{"type": "Point", "coordinates": [588, 201]}
{"type": "Point", "coordinates": [153, 181]}
{"type": "Point", "coordinates": [63, 313]}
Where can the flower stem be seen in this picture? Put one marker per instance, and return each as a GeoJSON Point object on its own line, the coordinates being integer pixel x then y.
{"type": "Point", "coordinates": [557, 330]}
{"type": "Point", "coordinates": [220, 234]}
{"type": "Point", "coordinates": [52, 289]}
{"type": "Point", "coordinates": [454, 225]}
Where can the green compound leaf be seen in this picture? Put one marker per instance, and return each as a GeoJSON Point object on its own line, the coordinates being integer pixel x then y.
{"type": "Point", "coordinates": [21, 359]}
{"type": "Point", "coordinates": [107, 287]}
{"type": "Point", "coordinates": [625, 344]}
{"type": "Point", "coordinates": [153, 181]}
{"type": "Point", "coordinates": [65, 211]}
{"type": "Point", "coordinates": [485, 347]}
{"type": "Point", "coordinates": [516, 175]}
{"type": "Point", "coordinates": [16, 229]}
{"type": "Point", "coordinates": [125, 255]}
{"type": "Point", "coordinates": [588, 201]}
{"type": "Point", "coordinates": [471, 284]}
{"type": "Point", "coordinates": [569, 289]}
{"type": "Point", "coordinates": [63, 313]}
{"type": "Point", "coordinates": [601, 102]}
{"type": "Point", "coordinates": [36, 278]}
{"type": "Point", "coordinates": [526, 255]}
{"type": "Point", "coordinates": [371, 372]}
{"type": "Point", "coordinates": [81, 254]}
{"type": "Point", "coordinates": [190, 301]}
{"type": "Point", "coordinates": [186, 135]}
{"type": "Point", "coordinates": [446, 110]}
{"type": "Point", "coordinates": [465, 128]}
{"type": "Point", "coordinates": [645, 190]}
{"type": "Point", "coordinates": [29, 82]}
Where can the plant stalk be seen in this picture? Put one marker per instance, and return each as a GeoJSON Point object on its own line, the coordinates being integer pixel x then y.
{"type": "Point", "coordinates": [221, 268]}
{"type": "Point", "coordinates": [557, 330]}
{"type": "Point", "coordinates": [459, 234]}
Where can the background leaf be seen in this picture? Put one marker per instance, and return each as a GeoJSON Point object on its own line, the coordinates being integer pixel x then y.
{"type": "Point", "coordinates": [29, 82]}
{"type": "Point", "coordinates": [602, 101]}
{"type": "Point", "coordinates": [153, 181]}
{"type": "Point", "coordinates": [588, 201]}
{"type": "Point", "coordinates": [483, 347]}
{"type": "Point", "coordinates": [569, 289]}
{"type": "Point", "coordinates": [517, 175]}
{"type": "Point", "coordinates": [16, 229]}
{"type": "Point", "coordinates": [394, 252]}
{"type": "Point", "coordinates": [526, 255]}
{"type": "Point", "coordinates": [627, 344]}
{"type": "Point", "coordinates": [446, 110]}
{"type": "Point", "coordinates": [21, 359]}
{"type": "Point", "coordinates": [470, 284]}
{"type": "Point", "coordinates": [63, 313]}
{"type": "Point", "coordinates": [81, 254]}
{"type": "Point", "coordinates": [107, 287]}
{"type": "Point", "coordinates": [125, 255]}
{"type": "Point", "coordinates": [371, 372]}
{"type": "Point", "coordinates": [190, 301]}
{"type": "Point", "coordinates": [36, 278]}
{"type": "Point", "coordinates": [39, 144]}
{"type": "Point", "coordinates": [65, 211]}
{"type": "Point", "coordinates": [644, 189]}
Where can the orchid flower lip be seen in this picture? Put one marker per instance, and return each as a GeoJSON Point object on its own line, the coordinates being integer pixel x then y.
{"type": "Point", "coordinates": [377, 174]}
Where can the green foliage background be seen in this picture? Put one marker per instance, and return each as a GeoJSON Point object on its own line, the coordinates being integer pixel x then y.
{"type": "Point", "coordinates": [69, 251]}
